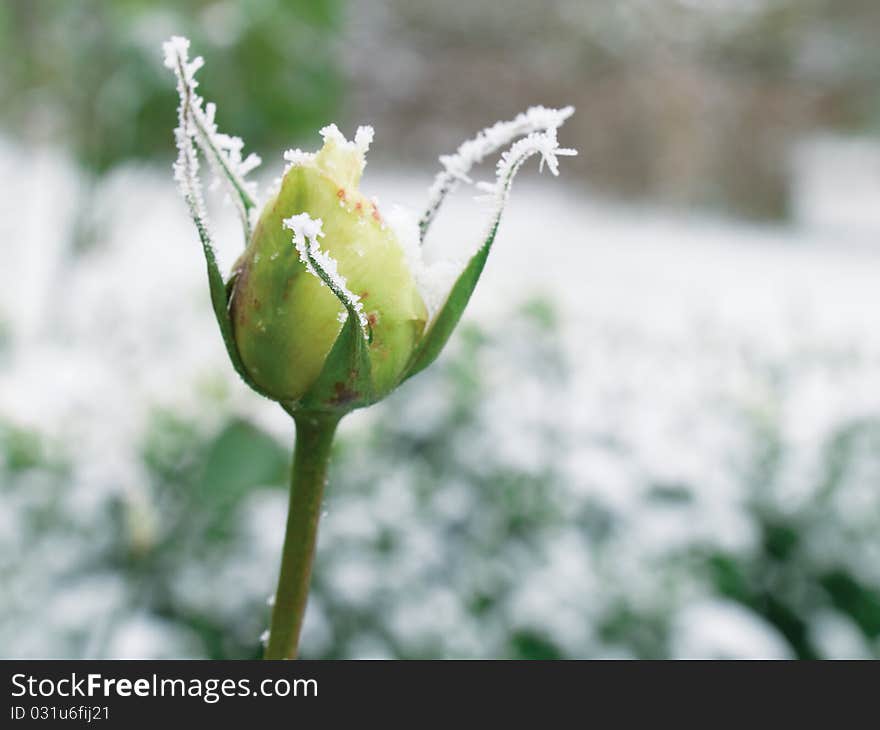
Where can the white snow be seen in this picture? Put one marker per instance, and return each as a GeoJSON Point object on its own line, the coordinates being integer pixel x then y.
{"type": "Point", "coordinates": [726, 630]}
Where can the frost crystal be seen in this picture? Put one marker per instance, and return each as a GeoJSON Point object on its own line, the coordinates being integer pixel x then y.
{"type": "Point", "coordinates": [196, 125]}
{"type": "Point", "coordinates": [306, 232]}
{"type": "Point", "coordinates": [363, 138]}
{"type": "Point", "coordinates": [297, 157]}
{"type": "Point", "coordinates": [433, 280]}
{"type": "Point", "coordinates": [304, 227]}
{"type": "Point", "coordinates": [456, 167]}
{"type": "Point", "coordinates": [357, 147]}
{"type": "Point", "coordinates": [544, 144]}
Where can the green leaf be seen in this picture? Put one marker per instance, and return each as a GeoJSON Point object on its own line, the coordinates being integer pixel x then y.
{"type": "Point", "coordinates": [240, 458]}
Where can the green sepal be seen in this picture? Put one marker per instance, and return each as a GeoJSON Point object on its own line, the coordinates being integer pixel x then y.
{"type": "Point", "coordinates": [345, 382]}
{"type": "Point", "coordinates": [220, 291]}
{"type": "Point", "coordinates": [447, 318]}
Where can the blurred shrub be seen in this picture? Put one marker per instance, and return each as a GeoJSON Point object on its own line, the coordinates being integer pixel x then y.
{"type": "Point", "coordinates": [469, 516]}
{"type": "Point", "coordinates": [89, 74]}
{"type": "Point", "coordinates": [682, 102]}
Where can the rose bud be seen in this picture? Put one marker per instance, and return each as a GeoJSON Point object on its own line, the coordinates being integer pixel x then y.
{"type": "Point", "coordinates": [285, 319]}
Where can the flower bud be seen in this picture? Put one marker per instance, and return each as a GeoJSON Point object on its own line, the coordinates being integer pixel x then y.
{"type": "Point", "coordinates": [335, 324]}
{"type": "Point", "coordinates": [285, 319]}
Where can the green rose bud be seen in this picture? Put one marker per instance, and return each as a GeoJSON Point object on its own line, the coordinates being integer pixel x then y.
{"type": "Point", "coordinates": [286, 320]}
{"type": "Point", "coordinates": [325, 311]}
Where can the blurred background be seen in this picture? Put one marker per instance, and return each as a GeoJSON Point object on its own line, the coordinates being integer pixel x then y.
{"type": "Point", "coordinates": [656, 434]}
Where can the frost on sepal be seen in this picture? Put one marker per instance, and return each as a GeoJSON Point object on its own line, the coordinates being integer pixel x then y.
{"type": "Point", "coordinates": [457, 166]}
{"type": "Point", "coordinates": [196, 125]}
{"type": "Point", "coordinates": [543, 144]}
{"type": "Point", "coordinates": [186, 173]}
{"type": "Point", "coordinates": [306, 232]}
{"type": "Point", "coordinates": [345, 381]}
{"type": "Point", "coordinates": [186, 167]}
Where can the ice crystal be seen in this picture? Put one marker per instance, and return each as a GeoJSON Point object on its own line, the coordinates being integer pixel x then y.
{"type": "Point", "coordinates": [544, 144]}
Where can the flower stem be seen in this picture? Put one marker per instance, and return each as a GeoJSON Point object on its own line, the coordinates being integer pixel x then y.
{"type": "Point", "coordinates": [314, 437]}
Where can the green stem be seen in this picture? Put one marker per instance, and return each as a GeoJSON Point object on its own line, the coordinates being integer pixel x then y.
{"type": "Point", "coordinates": [314, 437]}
